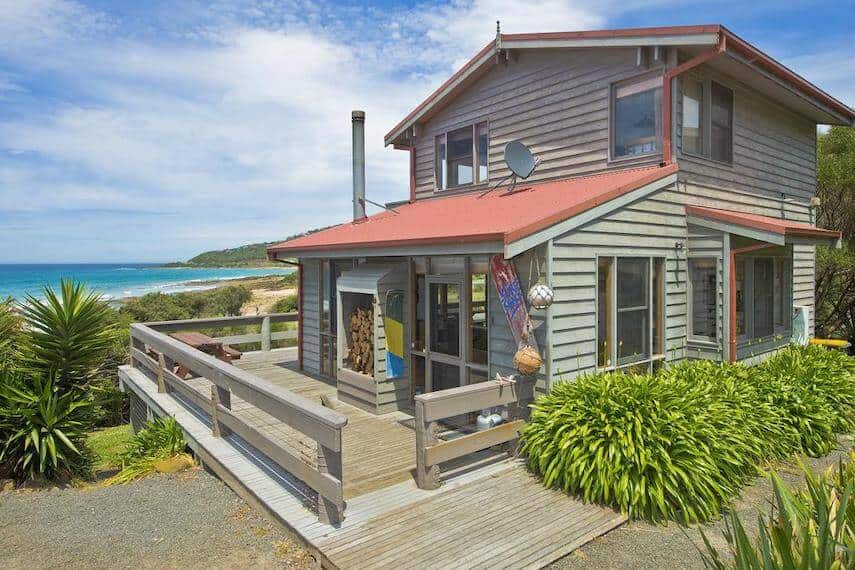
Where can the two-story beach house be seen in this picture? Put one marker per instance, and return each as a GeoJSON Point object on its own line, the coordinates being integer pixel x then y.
{"type": "Point", "coordinates": [671, 213]}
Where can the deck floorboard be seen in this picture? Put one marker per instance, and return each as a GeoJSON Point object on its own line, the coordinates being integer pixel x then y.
{"type": "Point", "coordinates": [492, 515]}
{"type": "Point", "coordinates": [377, 451]}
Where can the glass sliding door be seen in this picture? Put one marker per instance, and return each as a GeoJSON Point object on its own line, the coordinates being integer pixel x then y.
{"type": "Point", "coordinates": [444, 324]}
{"type": "Point", "coordinates": [330, 272]}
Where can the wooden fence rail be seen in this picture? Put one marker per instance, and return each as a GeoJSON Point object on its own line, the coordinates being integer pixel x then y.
{"type": "Point", "coordinates": [436, 406]}
{"type": "Point", "coordinates": [265, 335]}
{"type": "Point", "coordinates": [156, 353]}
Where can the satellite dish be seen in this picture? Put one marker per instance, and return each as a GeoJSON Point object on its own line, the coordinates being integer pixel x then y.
{"type": "Point", "coordinates": [519, 159]}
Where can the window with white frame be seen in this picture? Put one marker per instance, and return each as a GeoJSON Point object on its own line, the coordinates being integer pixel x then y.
{"type": "Point", "coordinates": [462, 157]}
{"type": "Point", "coordinates": [636, 118]}
{"type": "Point", "coordinates": [630, 310]}
{"type": "Point", "coordinates": [703, 298]}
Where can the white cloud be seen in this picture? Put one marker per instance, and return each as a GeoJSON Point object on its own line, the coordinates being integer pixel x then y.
{"type": "Point", "coordinates": [206, 125]}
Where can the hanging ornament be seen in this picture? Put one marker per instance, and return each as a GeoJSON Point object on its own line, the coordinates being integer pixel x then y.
{"type": "Point", "coordinates": [540, 295]}
{"type": "Point", "coordinates": [527, 360]}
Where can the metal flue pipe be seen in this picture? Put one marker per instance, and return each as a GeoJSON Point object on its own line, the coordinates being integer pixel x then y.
{"type": "Point", "coordinates": [358, 119]}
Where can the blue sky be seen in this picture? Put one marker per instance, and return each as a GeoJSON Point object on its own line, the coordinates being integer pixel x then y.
{"type": "Point", "coordinates": [150, 131]}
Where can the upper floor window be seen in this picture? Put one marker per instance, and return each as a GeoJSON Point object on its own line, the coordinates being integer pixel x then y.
{"type": "Point", "coordinates": [707, 123]}
{"type": "Point", "coordinates": [721, 119]}
{"type": "Point", "coordinates": [637, 118]}
{"type": "Point", "coordinates": [693, 117]}
{"type": "Point", "coordinates": [461, 157]}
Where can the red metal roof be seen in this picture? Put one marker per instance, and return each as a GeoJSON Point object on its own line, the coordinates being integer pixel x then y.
{"type": "Point", "coordinates": [765, 223]}
{"type": "Point", "coordinates": [733, 43]}
{"type": "Point", "coordinates": [470, 217]}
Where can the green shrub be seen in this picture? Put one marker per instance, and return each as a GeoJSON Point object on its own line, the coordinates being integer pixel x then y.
{"type": "Point", "coordinates": [648, 444]}
{"type": "Point", "coordinates": [813, 528]}
{"type": "Point", "coordinates": [813, 387]}
{"type": "Point", "coordinates": [158, 440]}
{"type": "Point", "coordinates": [67, 334]}
{"type": "Point", "coordinates": [41, 429]}
{"type": "Point", "coordinates": [219, 302]}
{"type": "Point", "coordinates": [681, 443]}
{"type": "Point", "coordinates": [285, 305]}
{"type": "Point", "coordinates": [10, 328]}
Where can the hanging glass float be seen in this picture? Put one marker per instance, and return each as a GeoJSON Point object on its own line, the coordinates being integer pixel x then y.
{"type": "Point", "coordinates": [540, 295]}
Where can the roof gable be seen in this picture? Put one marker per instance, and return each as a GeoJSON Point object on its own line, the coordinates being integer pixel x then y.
{"type": "Point", "coordinates": [693, 37]}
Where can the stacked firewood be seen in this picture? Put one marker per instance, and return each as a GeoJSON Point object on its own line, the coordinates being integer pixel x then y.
{"type": "Point", "coordinates": [361, 350]}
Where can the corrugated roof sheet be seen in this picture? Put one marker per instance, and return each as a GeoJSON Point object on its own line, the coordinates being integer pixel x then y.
{"type": "Point", "coordinates": [765, 223]}
{"type": "Point", "coordinates": [471, 217]}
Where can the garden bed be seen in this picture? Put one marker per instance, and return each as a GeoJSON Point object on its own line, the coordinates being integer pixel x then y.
{"type": "Point", "coordinates": [681, 444]}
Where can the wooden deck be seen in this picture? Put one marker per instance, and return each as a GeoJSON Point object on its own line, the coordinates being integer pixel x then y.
{"type": "Point", "coordinates": [507, 520]}
{"type": "Point", "coordinates": [491, 514]}
{"type": "Point", "coordinates": [377, 450]}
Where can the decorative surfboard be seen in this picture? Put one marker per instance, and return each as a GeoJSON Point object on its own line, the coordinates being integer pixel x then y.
{"type": "Point", "coordinates": [513, 300]}
{"type": "Point", "coordinates": [394, 323]}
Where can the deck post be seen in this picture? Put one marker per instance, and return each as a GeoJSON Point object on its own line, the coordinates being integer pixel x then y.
{"type": "Point", "coordinates": [161, 366]}
{"type": "Point", "coordinates": [329, 461]}
{"type": "Point", "coordinates": [265, 333]}
{"type": "Point", "coordinates": [427, 477]}
{"type": "Point", "coordinates": [215, 413]}
{"type": "Point", "coordinates": [137, 344]}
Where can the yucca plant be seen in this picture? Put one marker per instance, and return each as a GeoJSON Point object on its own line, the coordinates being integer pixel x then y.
{"type": "Point", "coordinates": [41, 430]}
{"type": "Point", "coordinates": [813, 528]}
{"type": "Point", "coordinates": [157, 440]}
{"type": "Point", "coordinates": [68, 334]}
{"type": "Point", "coordinates": [10, 328]}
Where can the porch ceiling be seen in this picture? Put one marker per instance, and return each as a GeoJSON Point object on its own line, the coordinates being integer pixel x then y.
{"type": "Point", "coordinates": [475, 219]}
{"type": "Point", "coordinates": [762, 228]}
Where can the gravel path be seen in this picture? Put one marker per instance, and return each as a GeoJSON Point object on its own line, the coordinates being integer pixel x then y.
{"type": "Point", "coordinates": [188, 520]}
{"type": "Point", "coordinates": [642, 545]}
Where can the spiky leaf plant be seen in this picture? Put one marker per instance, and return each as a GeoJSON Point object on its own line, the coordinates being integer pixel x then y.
{"type": "Point", "coordinates": [68, 333]}
{"type": "Point", "coordinates": [811, 528]}
{"type": "Point", "coordinates": [10, 329]}
{"type": "Point", "coordinates": [158, 440]}
{"type": "Point", "coordinates": [41, 430]}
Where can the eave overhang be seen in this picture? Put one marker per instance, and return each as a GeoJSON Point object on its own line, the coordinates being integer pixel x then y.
{"type": "Point", "coordinates": [761, 228]}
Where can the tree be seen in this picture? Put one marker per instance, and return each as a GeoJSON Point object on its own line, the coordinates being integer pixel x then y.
{"type": "Point", "coordinates": [835, 270]}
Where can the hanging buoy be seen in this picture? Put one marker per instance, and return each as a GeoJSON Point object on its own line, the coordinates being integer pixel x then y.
{"type": "Point", "coordinates": [540, 296]}
{"type": "Point", "coordinates": [527, 360]}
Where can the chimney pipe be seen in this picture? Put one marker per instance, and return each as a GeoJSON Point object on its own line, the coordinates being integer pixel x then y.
{"type": "Point", "coordinates": [358, 119]}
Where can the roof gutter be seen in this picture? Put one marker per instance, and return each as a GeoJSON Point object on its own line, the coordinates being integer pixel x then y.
{"type": "Point", "coordinates": [667, 80]}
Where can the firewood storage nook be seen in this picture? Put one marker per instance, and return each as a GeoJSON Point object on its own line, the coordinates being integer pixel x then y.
{"type": "Point", "coordinates": [361, 369]}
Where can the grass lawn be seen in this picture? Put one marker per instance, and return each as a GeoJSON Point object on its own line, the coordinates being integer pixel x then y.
{"type": "Point", "coordinates": [108, 444]}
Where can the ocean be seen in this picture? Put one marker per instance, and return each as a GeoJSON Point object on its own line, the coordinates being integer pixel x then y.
{"type": "Point", "coordinates": [119, 280]}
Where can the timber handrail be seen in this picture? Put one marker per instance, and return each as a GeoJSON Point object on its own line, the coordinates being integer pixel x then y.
{"type": "Point", "coordinates": [264, 336]}
{"type": "Point", "coordinates": [156, 352]}
{"type": "Point", "coordinates": [435, 406]}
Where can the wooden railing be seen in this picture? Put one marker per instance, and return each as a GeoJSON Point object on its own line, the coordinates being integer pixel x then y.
{"type": "Point", "coordinates": [433, 407]}
{"type": "Point", "coordinates": [264, 336]}
{"type": "Point", "coordinates": [156, 353]}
